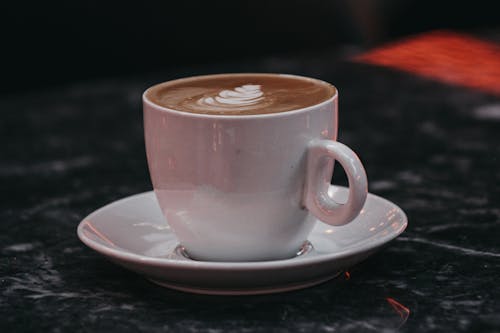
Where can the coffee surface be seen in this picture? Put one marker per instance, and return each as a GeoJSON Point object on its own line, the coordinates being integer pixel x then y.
{"type": "Point", "coordinates": [240, 94]}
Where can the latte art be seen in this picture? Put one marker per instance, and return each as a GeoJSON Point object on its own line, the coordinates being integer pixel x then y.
{"type": "Point", "coordinates": [248, 94]}
{"type": "Point", "coordinates": [240, 94]}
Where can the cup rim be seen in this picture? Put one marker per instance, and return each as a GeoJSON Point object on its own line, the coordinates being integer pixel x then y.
{"type": "Point", "coordinates": [147, 101]}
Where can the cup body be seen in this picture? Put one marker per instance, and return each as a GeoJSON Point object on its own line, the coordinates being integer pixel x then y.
{"type": "Point", "coordinates": [231, 187]}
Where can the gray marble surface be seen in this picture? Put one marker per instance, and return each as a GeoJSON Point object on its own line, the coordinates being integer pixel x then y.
{"type": "Point", "coordinates": [432, 149]}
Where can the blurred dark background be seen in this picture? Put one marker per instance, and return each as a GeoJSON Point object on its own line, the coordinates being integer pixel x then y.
{"type": "Point", "coordinates": [56, 42]}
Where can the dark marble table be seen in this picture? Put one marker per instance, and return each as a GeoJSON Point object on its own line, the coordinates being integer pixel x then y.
{"type": "Point", "coordinates": [431, 148]}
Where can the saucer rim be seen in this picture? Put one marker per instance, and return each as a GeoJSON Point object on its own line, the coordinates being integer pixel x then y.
{"type": "Point", "coordinates": [271, 289]}
{"type": "Point", "coordinates": [126, 256]}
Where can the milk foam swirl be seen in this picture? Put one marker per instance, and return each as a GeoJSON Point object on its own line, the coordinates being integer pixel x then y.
{"type": "Point", "coordinates": [245, 95]}
{"type": "Point", "coordinates": [240, 94]}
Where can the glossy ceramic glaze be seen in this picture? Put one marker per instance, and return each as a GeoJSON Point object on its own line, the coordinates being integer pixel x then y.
{"type": "Point", "coordinates": [243, 187]}
{"type": "Point", "coordinates": [132, 233]}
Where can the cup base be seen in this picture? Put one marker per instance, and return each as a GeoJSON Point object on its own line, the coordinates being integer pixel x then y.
{"type": "Point", "coordinates": [303, 250]}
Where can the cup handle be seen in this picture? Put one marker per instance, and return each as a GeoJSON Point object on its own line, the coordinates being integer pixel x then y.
{"type": "Point", "coordinates": [319, 173]}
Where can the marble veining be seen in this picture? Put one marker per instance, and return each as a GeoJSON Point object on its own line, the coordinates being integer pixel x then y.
{"type": "Point", "coordinates": [470, 252]}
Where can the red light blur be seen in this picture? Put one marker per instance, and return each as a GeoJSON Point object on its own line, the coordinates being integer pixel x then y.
{"type": "Point", "coordinates": [402, 310]}
{"type": "Point", "coordinates": [443, 56]}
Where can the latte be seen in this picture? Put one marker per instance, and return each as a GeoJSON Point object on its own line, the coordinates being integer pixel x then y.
{"type": "Point", "coordinates": [240, 94]}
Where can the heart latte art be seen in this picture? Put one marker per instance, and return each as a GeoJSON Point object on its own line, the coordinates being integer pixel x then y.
{"type": "Point", "coordinates": [240, 94]}
{"type": "Point", "coordinates": [248, 94]}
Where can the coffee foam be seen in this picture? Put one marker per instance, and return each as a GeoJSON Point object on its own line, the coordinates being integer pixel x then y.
{"type": "Point", "coordinates": [248, 94]}
{"type": "Point", "coordinates": [240, 94]}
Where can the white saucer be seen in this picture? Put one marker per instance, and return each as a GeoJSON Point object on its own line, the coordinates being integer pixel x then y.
{"type": "Point", "coordinates": [132, 232]}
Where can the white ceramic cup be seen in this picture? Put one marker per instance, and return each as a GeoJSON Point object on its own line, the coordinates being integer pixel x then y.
{"type": "Point", "coordinates": [249, 187]}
